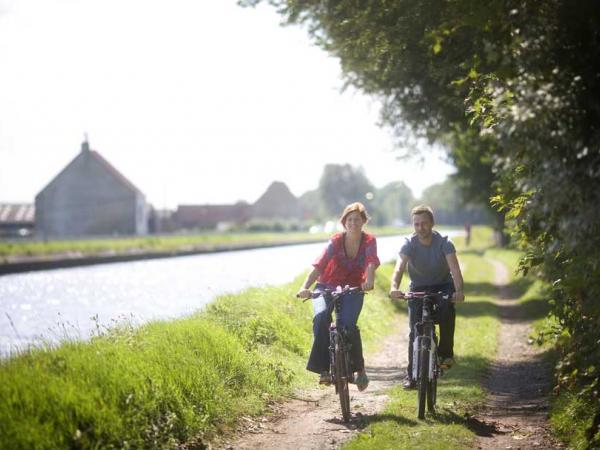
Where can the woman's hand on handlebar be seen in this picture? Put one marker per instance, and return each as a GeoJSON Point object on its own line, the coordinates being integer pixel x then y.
{"type": "Point", "coordinates": [304, 293]}
{"type": "Point", "coordinates": [396, 293]}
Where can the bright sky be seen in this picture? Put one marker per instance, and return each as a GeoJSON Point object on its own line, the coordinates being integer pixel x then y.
{"type": "Point", "coordinates": [194, 101]}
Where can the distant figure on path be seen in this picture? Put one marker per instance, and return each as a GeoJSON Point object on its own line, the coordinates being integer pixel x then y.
{"type": "Point", "coordinates": [433, 267]}
{"type": "Point", "coordinates": [467, 233]}
{"type": "Point", "coordinates": [350, 259]}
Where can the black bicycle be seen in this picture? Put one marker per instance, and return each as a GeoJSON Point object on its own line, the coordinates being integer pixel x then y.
{"type": "Point", "coordinates": [426, 368]}
{"type": "Point", "coordinates": [340, 366]}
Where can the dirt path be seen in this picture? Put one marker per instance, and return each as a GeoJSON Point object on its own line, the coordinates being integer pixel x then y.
{"type": "Point", "coordinates": [514, 417]}
{"type": "Point", "coordinates": [313, 419]}
{"type": "Point", "coordinates": [516, 411]}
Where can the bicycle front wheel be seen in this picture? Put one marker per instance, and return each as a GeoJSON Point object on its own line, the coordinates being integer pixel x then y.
{"type": "Point", "coordinates": [432, 384]}
{"type": "Point", "coordinates": [342, 381]}
{"type": "Point", "coordinates": [423, 381]}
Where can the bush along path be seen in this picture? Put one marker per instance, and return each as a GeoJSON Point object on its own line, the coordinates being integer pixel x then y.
{"type": "Point", "coordinates": [515, 414]}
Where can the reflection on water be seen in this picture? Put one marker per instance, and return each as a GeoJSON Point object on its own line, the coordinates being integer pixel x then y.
{"type": "Point", "coordinates": [52, 305]}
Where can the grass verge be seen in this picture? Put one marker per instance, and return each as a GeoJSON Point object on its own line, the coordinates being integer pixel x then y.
{"type": "Point", "coordinates": [206, 241]}
{"type": "Point", "coordinates": [167, 383]}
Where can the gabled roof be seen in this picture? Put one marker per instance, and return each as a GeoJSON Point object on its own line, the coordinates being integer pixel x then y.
{"type": "Point", "coordinates": [85, 151]}
{"type": "Point", "coordinates": [276, 193]}
{"type": "Point", "coordinates": [118, 175]}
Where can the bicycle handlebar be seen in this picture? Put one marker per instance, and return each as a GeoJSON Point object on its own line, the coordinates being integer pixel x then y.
{"type": "Point", "coordinates": [335, 293]}
{"type": "Point", "coordinates": [414, 295]}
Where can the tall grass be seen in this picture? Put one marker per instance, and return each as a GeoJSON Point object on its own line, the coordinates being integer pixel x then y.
{"type": "Point", "coordinates": [166, 383]}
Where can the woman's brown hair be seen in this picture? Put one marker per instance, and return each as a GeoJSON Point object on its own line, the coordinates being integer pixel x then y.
{"type": "Point", "coordinates": [352, 207]}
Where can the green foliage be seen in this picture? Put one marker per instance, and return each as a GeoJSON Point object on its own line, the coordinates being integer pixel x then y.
{"type": "Point", "coordinates": [152, 387]}
{"type": "Point", "coordinates": [571, 418]}
{"type": "Point", "coordinates": [392, 204]}
{"type": "Point", "coordinates": [512, 88]}
{"type": "Point", "coordinates": [342, 184]}
{"type": "Point", "coordinates": [274, 225]}
{"type": "Point", "coordinates": [448, 205]}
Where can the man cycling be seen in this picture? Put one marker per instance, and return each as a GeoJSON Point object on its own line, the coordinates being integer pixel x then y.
{"type": "Point", "coordinates": [433, 267]}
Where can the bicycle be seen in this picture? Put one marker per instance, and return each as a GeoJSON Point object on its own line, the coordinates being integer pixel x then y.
{"type": "Point", "coordinates": [340, 367]}
{"type": "Point", "coordinates": [426, 368]}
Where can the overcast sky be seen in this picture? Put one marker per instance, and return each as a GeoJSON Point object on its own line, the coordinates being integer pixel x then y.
{"type": "Point", "coordinates": [195, 101]}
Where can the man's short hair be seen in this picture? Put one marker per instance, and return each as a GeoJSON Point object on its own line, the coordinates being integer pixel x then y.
{"type": "Point", "coordinates": [423, 209]}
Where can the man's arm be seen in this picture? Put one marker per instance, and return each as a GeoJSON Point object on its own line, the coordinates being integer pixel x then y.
{"type": "Point", "coordinates": [370, 281]}
{"type": "Point", "coordinates": [452, 260]}
{"type": "Point", "coordinates": [399, 270]}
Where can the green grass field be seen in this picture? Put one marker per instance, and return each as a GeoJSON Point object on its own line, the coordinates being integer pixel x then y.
{"type": "Point", "coordinates": [166, 383]}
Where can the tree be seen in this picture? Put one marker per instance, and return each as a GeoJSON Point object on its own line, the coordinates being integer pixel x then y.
{"type": "Point", "coordinates": [392, 204]}
{"type": "Point", "coordinates": [342, 184]}
{"type": "Point", "coordinates": [450, 207]}
{"type": "Point", "coordinates": [312, 205]}
{"type": "Point", "coordinates": [513, 89]}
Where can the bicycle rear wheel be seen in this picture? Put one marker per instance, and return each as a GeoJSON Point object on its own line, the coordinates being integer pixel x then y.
{"type": "Point", "coordinates": [423, 381]}
{"type": "Point", "coordinates": [342, 381]}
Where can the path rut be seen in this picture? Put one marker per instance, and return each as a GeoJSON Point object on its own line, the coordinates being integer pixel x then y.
{"type": "Point", "coordinates": [515, 415]}
{"type": "Point", "coordinates": [313, 419]}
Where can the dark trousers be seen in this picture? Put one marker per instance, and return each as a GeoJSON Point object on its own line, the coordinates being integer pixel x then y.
{"type": "Point", "coordinates": [447, 318]}
{"type": "Point", "coordinates": [319, 355]}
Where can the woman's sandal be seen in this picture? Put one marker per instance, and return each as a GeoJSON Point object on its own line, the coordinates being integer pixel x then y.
{"type": "Point", "coordinates": [325, 378]}
{"type": "Point", "coordinates": [362, 381]}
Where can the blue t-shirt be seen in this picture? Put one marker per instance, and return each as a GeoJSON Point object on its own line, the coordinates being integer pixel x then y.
{"type": "Point", "coordinates": [427, 264]}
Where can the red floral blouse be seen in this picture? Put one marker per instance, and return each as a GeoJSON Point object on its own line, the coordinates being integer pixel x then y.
{"type": "Point", "coordinates": [337, 269]}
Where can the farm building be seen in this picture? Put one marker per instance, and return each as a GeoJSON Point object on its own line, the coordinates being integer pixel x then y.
{"type": "Point", "coordinates": [89, 197]}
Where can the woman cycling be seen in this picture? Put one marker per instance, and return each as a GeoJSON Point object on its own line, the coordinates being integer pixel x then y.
{"type": "Point", "coordinates": [350, 259]}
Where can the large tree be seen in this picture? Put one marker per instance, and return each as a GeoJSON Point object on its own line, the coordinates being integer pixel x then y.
{"type": "Point", "coordinates": [512, 87]}
{"type": "Point", "coordinates": [342, 184]}
{"type": "Point", "coordinates": [392, 204]}
{"type": "Point", "coordinates": [450, 207]}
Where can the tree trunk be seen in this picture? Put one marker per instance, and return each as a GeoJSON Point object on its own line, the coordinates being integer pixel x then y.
{"type": "Point", "coordinates": [501, 238]}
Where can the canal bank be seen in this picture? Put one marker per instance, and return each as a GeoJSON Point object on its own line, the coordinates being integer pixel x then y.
{"type": "Point", "coordinates": [74, 259]}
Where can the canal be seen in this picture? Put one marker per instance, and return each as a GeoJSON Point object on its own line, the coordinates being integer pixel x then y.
{"type": "Point", "coordinates": [53, 305]}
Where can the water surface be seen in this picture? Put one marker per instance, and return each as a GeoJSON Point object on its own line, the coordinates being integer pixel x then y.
{"type": "Point", "coordinates": [52, 305]}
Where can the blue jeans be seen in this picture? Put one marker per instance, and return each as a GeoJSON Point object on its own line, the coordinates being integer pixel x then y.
{"type": "Point", "coordinates": [446, 315]}
{"type": "Point", "coordinates": [319, 355]}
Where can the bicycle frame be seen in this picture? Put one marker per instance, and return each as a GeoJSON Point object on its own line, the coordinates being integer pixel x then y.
{"type": "Point", "coordinates": [339, 348]}
{"type": "Point", "coordinates": [425, 339]}
{"type": "Point", "coordinates": [338, 339]}
{"type": "Point", "coordinates": [426, 369]}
